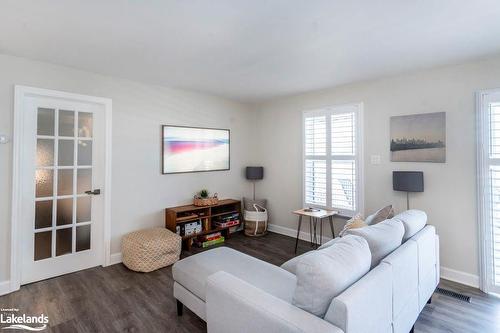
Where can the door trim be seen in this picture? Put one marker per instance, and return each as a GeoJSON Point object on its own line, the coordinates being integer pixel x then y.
{"type": "Point", "coordinates": [20, 93]}
{"type": "Point", "coordinates": [481, 181]}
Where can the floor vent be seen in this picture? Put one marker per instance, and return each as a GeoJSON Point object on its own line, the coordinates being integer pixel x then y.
{"type": "Point", "coordinates": [453, 294]}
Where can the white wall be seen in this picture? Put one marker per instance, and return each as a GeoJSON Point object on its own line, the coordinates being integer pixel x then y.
{"type": "Point", "coordinates": [450, 192]}
{"type": "Point", "coordinates": [140, 192]}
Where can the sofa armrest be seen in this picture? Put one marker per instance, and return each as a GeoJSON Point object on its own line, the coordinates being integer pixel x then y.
{"type": "Point", "coordinates": [234, 305]}
{"type": "Point", "coordinates": [366, 306]}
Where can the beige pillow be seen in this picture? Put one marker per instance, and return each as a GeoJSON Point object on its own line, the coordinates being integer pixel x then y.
{"type": "Point", "coordinates": [354, 223]}
{"type": "Point", "coordinates": [380, 215]}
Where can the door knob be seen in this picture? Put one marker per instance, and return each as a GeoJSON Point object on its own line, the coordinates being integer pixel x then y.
{"type": "Point", "coordinates": [94, 192]}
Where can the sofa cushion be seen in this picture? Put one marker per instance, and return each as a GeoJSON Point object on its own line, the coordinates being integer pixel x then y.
{"type": "Point", "coordinates": [329, 243]}
{"type": "Point", "coordinates": [413, 220]}
{"type": "Point", "coordinates": [192, 272]}
{"type": "Point", "coordinates": [326, 273]}
{"type": "Point", "coordinates": [380, 215]}
{"type": "Point", "coordinates": [291, 265]}
{"type": "Point", "coordinates": [383, 238]}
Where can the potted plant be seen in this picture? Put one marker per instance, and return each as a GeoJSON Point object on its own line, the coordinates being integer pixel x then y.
{"type": "Point", "coordinates": [203, 198]}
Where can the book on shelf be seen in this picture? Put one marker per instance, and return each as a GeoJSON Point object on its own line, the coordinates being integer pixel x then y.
{"type": "Point", "coordinates": [232, 216]}
{"type": "Point", "coordinates": [189, 228]}
{"type": "Point", "coordinates": [218, 240]}
{"type": "Point", "coordinates": [213, 236]}
{"type": "Point", "coordinates": [224, 224]}
{"type": "Point", "coordinates": [202, 242]}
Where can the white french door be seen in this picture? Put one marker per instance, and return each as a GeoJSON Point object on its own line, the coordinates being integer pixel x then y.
{"type": "Point", "coordinates": [488, 115]}
{"type": "Point", "coordinates": [62, 184]}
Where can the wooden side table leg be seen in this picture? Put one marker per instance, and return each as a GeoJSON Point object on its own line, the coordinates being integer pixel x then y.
{"type": "Point", "coordinates": [330, 219]}
{"type": "Point", "coordinates": [298, 232]}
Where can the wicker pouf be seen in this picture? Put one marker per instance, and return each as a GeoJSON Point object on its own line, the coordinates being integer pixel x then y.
{"type": "Point", "coordinates": [150, 249]}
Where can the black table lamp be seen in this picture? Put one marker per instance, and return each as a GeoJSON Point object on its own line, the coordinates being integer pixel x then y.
{"type": "Point", "coordinates": [408, 181]}
{"type": "Point", "coordinates": [254, 173]}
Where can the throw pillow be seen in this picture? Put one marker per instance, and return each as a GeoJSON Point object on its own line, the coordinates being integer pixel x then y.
{"type": "Point", "coordinates": [380, 215]}
{"type": "Point", "coordinates": [248, 203]}
{"type": "Point", "coordinates": [413, 220]}
{"type": "Point", "coordinates": [326, 273]}
{"type": "Point", "coordinates": [382, 238]}
{"type": "Point", "coordinates": [355, 222]}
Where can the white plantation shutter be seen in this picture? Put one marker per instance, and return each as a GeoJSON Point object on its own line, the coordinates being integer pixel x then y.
{"type": "Point", "coordinates": [489, 189]}
{"type": "Point", "coordinates": [332, 159]}
{"type": "Point", "coordinates": [495, 219]}
{"type": "Point", "coordinates": [315, 181]}
{"type": "Point", "coordinates": [344, 185]}
{"type": "Point", "coordinates": [344, 160]}
{"type": "Point", "coordinates": [344, 134]}
{"type": "Point", "coordinates": [315, 136]}
{"type": "Point", "coordinates": [315, 167]}
{"type": "Point", "coordinates": [494, 109]}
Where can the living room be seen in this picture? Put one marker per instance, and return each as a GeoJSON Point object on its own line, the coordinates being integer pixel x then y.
{"type": "Point", "coordinates": [180, 166]}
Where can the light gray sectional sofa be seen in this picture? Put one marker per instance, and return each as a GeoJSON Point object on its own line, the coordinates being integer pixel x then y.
{"type": "Point", "coordinates": [356, 284]}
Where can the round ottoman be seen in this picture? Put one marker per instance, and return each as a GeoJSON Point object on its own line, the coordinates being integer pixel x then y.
{"type": "Point", "coordinates": [150, 249]}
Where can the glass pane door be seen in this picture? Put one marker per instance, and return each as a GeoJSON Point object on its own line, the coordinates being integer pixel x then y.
{"type": "Point", "coordinates": [64, 166]}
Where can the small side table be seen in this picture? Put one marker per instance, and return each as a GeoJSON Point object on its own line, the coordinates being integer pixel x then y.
{"type": "Point", "coordinates": [314, 218]}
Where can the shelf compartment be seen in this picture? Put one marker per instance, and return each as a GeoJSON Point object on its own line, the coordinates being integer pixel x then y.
{"type": "Point", "coordinates": [182, 219]}
{"type": "Point", "coordinates": [205, 232]}
{"type": "Point", "coordinates": [224, 213]}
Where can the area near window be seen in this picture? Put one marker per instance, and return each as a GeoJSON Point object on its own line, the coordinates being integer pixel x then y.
{"type": "Point", "coordinates": [333, 174]}
{"type": "Point", "coordinates": [488, 115]}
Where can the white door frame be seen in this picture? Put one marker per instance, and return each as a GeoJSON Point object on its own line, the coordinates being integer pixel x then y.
{"type": "Point", "coordinates": [483, 207]}
{"type": "Point", "coordinates": [20, 93]}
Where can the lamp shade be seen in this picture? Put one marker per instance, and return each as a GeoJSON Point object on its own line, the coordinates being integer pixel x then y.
{"type": "Point", "coordinates": [408, 181]}
{"type": "Point", "coordinates": [253, 172]}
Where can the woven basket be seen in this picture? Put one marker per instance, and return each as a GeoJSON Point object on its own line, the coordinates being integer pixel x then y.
{"type": "Point", "coordinates": [205, 202]}
{"type": "Point", "coordinates": [255, 228]}
{"type": "Point", "coordinates": [255, 221]}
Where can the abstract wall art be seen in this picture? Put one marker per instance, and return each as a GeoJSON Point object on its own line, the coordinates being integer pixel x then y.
{"type": "Point", "coordinates": [193, 149]}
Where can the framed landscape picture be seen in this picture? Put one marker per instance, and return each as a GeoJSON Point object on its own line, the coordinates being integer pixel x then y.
{"type": "Point", "coordinates": [419, 138]}
{"type": "Point", "coordinates": [194, 149]}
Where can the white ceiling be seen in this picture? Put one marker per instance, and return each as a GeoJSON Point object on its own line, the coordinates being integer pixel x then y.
{"type": "Point", "coordinates": [250, 50]}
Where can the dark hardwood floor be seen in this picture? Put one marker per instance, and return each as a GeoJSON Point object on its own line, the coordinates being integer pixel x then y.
{"type": "Point", "coordinates": [114, 299]}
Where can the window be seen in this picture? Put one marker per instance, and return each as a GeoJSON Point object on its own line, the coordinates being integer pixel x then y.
{"type": "Point", "coordinates": [489, 188]}
{"type": "Point", "coordinates": [332, 159]}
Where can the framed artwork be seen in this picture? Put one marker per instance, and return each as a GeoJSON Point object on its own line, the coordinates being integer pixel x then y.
{"type": "Point", "coordinates": [419, 138]}
{"type": "Point", "coordinates": [194, 149]}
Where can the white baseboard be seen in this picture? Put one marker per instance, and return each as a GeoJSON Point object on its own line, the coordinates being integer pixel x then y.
{"type": "Point", "coordinates": [460, 277]}
{"type": "Point", "coordinates": [293, 232]}
{"type": "Point", "coordinates": [4, 287]}
{"type": "Point", "coordinates": [115, 258]}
